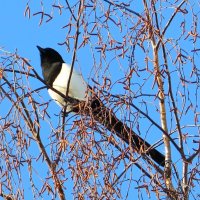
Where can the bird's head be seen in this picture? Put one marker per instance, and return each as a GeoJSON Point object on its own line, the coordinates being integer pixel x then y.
{"type": "Point", "coordinates": [49, 56]}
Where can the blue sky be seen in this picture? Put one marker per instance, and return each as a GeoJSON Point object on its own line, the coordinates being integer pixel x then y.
{"type": "Point", "coordinates": [19, 32]}
{"type": "Point", "coordinates": [24, 34]}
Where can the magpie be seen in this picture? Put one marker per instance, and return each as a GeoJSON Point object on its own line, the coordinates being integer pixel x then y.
{"type": "Point", "coordinates": [56, 74]}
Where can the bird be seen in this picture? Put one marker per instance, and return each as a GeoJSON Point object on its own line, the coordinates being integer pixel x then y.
{"type": "Point", "coordinates": [56, 75]}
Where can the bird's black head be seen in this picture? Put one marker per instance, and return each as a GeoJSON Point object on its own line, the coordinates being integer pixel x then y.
{"type": "Point", "coordinates": [49, 56]}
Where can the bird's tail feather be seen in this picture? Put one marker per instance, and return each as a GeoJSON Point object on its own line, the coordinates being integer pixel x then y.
{"type": "Point", "coordinates": [107, 118]}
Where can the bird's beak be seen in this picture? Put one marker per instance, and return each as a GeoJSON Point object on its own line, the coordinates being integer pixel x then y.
{"type": "Point", "coordinates": [41, 50]}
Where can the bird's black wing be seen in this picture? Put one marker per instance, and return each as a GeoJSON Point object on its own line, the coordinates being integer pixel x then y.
{"type": "Point", "coordinates": [51, 72]}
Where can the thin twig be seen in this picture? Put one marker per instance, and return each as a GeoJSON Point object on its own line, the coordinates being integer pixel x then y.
{"type": "Point", "coordinates": [127, 9]}
{"type": "Point", "coordinates": [169, 22]}
{"type": "Point", "coordinates": [70, 10]}
{"type": "Point", "coordinates": [36, 135]}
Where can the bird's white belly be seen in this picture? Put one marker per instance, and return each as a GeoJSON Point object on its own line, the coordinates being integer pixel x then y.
{"type": "Point", "coordinates": [77, 90]}
{"type": "Point", "coordinates": [60, 100]}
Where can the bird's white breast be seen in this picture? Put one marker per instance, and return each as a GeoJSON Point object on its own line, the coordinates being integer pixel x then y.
{"type": "Point", "coordinates": [78, 88]}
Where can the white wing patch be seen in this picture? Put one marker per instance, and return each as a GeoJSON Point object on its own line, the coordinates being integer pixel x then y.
{"type": "Point", "coordinates": [78, 88]}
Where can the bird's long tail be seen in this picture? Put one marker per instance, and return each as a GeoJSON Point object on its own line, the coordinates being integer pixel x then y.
{"type": "Point", "coordinates": [108, 119]}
